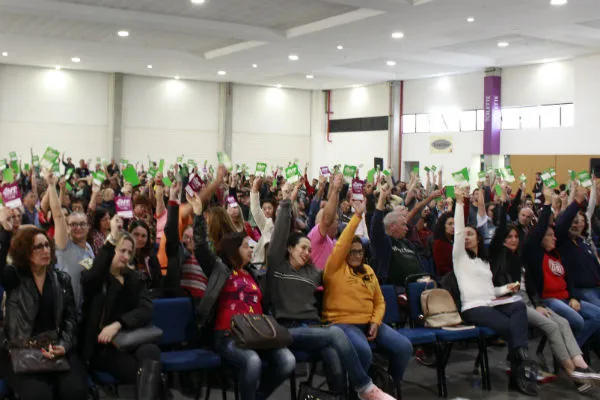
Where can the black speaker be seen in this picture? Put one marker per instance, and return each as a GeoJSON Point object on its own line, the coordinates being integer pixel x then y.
{"type": "Point", "coordinates": [595, 166]}
{"type": "Point", "coordinates": [378, 161]}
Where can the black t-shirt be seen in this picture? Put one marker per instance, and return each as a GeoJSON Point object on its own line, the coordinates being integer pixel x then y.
{"type": "Point", "coordinates": [82, 172]}
{"type": "Point", "coordinates": [44, 320]}
{"type": "Point", "coordinates": [404, 262]}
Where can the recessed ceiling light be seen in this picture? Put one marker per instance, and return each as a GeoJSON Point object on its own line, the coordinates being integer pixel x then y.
{"type": "Point", "coordinates": [57, 68]}
{"type": "Point", "coordinates": [391, 63]}
{"type": "Point", "coordinates": [278, 85]}
{"type": "Point", "coordinates": [149, 66]}
{"type": "Point", "coordinates": [310, 76]}
{"type": "Point", "coordinates": [4, 54]}
{"type": "Point", "coordinates": [397, 35]}
{"type": "Point", "coordinates": [558, 2]}
{"type": "Point", "coordinates": [470, 19]}
{"type": "Point", "coordinates": [123, 33]}
{"type": "Point", "coordinates": [198, 1]}
{"type": "Point", "coordinates": [76, 59]}
{"type": "Point", "coordinates": [503, 44]}
{"type": "Point", "coordinates": [355, 86]}
{"type": "Point", "coordinates": [222, 72]}
{"type": "Point", "coordinates": [254, 65]}
{"type": "Point", "coordinates": [177, 77]}
{"type": "Point", "coordinates": [340, 47]}
{"type": "Point", "coordinates": [293, 57]}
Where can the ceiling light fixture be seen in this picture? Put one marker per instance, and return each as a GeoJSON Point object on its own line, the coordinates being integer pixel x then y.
{"type": "Point", "coordinates": [177, 77]}
{"type": "Point", "coordinates": [397, 35]}
{"type": "Point", "coordinates": [340, 47]}
{"type": "Point", "coordinates": [222, 72]}
{"type": "Point", "coordinates": [558, 2]}
{"type": "Point", "coordinates": [470, 19]}
{"type": "Point", "coordinates": [310, 76]}
{"type": "Point", "coordinates": [391, 63]}
{"type": "Point", "coordinates": [198, 1]}
{"type": "Point", "coordinates": [57, 68]}
{"type": "Point", "coordinates": [503, 44]}
{"type": "Point", "coordinates": [76, 59]}
{"type": "Point", "coordinates": [278, 85]}
{"type": "Point", "coordinates": [149, 66]}
{"type": "Point", "coordinates": [4, 54]}
{"type": "Point", "coordinates": [254, 65]}
{"type": "Point", "coordinates": [123, 33]}
{"type": "Point", "coordinates": [293, 57]}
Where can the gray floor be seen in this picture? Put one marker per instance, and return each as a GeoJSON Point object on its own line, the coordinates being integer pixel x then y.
{"type": "Point", "coordinates": [421, 382]}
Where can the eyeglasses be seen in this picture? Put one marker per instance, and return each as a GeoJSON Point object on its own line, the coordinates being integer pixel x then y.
{"type": "Point", "coordinates": [356, 252]}
{"type": "Point", "coordinates": [78, 224]}
{"type": "Point", "coordinates": [41, 246]}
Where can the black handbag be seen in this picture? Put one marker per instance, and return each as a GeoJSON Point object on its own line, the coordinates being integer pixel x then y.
{"type": "Point", "coordinates": [127, 340]}
{"type": "Point", "coordinates": [26, 356]}
{"type": "Point", "coordinates": [259, 332]}
{"type": "Point", "coordinates": [307, 392]}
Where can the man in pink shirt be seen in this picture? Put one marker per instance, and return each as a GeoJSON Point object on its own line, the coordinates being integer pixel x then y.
{"type": "Point", "coordinates": [322, 236]}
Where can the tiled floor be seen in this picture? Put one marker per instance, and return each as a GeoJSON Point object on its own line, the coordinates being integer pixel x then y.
{"type": "Point", "coordinates": [421, 382]}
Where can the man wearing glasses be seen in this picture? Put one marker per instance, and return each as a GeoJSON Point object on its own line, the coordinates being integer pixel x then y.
{"type": "Point", "coordinates": [73, 252]}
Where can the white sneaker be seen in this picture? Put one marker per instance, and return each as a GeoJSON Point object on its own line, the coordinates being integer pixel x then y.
{"type": "Point", "coordinates": [375, 394]}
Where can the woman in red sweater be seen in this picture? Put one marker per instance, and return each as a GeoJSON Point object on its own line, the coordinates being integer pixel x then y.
{"type": "Point", "coordinates": [443, 235]}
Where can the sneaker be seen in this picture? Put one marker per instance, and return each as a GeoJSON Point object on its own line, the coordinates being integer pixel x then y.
{"type": "Point", "coordinates": [587, 375]}
{"type": "Point", "coordinates": [374, 394]}
{"type": "Point", "coordinates": [583, 387]}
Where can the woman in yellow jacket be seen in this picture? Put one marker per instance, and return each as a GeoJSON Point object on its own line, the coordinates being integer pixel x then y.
{"type": "Point", "coordinates": [354, 302]}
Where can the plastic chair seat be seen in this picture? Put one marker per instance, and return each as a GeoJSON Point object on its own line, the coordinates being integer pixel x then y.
{"type": "Point", "coordinates": [189, 360]}
{"type": "Point", "coordinates": [418, 335]}
{"type": "Point", "coordinates": [104, 378]}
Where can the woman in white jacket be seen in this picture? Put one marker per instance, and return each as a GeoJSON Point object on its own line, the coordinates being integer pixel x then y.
{"type": "Point", "coordinates": [477, 292]}
{"type": "Point", "coordinates": [263, 216]}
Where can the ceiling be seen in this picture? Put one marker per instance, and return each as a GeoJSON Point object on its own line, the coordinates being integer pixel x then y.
{"type": "Point", "coordinates": [195, 41]}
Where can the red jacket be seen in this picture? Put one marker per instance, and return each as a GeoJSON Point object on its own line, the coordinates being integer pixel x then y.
{"type": "Point", "coordinates": [442, 255]}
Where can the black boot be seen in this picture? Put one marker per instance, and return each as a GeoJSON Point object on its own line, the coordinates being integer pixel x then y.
{"type": "Point", "coordinates": [524, 372]}
{"type": "Point", "coordinates": [149, 381]}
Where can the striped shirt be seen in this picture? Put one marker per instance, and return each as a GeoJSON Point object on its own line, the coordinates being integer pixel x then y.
{"type": "Point", "coordinates": [193, 277]}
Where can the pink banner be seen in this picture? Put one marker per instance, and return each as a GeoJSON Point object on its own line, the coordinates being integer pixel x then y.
{"type": "Point", "coordinates": [124, 206]}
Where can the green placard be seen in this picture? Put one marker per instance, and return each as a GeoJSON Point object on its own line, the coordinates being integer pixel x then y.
{"type": "Point", "coordinates": [8, 176]}
{"type": "Point", "coordinates": [349, 172]}
{"type": "Point", "coordinates": [99, 177]}
{"type": "Point", "coordinates": [481, 176]}
{"type": "Point", "coordinates": [585, 179]}
{"type": "Point", "coordinates": [461, 177]}
{"type": "Point", "coordinates": [449, 190]}
{"type": "Point", "coordinates": [167, 181]}
{"type": "Point", "coordinates": [49, 158]}
{"type": "Point", "coordinates": [69, 187]}
{"type": "Point", "coordinates": [371, 175]}
{"type": "Point", "coordinates": [161, 165]}
{"type": "Point", "coordinates": [261, 169]}
{"type": "Point", "coordinates": [152, 172]}
{"type": "Point", "coordinates": [498, 189]}
{"type": "Point", "coordinates": [225, 160]}
{"type": "Point", "coordinates": [130, 175]}
{"type": "Point", "coordinates": [292, 173]}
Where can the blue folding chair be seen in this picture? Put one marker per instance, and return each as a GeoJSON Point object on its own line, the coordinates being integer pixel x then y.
{"type": "Point", "coordinates": [444, 338]}
{"type": "Point", "coordinates": [175, 316]}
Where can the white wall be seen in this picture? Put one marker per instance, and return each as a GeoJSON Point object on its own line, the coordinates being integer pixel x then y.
{"type": "Point", "coordinates": [271, 125]}
{"type": "Point", "coordinates": [67, 110]}
{"type": "Point", "coordinates": [164, 118]}
{"type": "Point", "coordinates": [352, 148]}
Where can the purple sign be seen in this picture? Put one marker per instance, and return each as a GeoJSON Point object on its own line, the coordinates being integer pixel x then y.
{"type": "Point", "coordinates": [325, 171]}
{"type": "Point", "coordinates": [357, 190]}
{"type": "Point", "coordinates": [124, 207]}
{"type": "Point", "coordinates": [194, 186]}
{"type": "Point", "coordinates": [492, 124]}
{"type": "Point", "coordinates": [11, 195]}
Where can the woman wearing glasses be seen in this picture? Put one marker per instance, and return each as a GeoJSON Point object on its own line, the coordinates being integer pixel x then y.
{"type": "Point", "coordinates": [39, 301]}
{"type": "Point", "coordinates": [353, 301]}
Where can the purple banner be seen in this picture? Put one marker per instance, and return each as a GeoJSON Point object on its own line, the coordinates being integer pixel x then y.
{"type": "Point", "coordinates": [492, 124]}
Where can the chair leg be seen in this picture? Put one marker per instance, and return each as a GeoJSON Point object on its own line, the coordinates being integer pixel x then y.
{"type": "Point", "coordinates": [311, 372]}
{"type": "Point", "coordinates": [486, 366]}
{"type": "Point", "coordinates": [236, 389]}
{"type": "Point", "coordinates": [293, 393]}
{"type": "Point", "coordinates": [441, 369]}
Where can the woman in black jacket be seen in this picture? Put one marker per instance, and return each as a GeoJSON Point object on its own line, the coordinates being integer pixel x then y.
{"type": "Point", "coordinates": [115, 298]}
{"type": "Point", "coordinates": [507, 268]}
{"type": "Point", "coordinates": [144, 258]}
{"type": "Point", "coordinates": [39, 300]}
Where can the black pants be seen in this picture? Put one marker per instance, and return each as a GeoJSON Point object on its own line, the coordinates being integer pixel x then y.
{"type": "Point", "coordinates": [70, 385]}
{"type": "Point", "coordinates": [124, 365]}
{"type": "Point", "coordinates": [509, 321]}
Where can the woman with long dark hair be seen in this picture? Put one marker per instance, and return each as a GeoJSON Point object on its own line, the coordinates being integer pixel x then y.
{"type": "Point", "coordinates": [443, 240]}
{"type": "Point", "coordinates": [233, 289]}
{"type": "Point", "coordinates": [100, 229]}
{"type": "Point", "coordinates": [145, 259]}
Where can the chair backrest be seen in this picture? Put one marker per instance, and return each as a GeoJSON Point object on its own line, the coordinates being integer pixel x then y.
{"type": "Point", "coordinates": [175, 316]}
{"type": "Point", "coordinates": [392, 312]}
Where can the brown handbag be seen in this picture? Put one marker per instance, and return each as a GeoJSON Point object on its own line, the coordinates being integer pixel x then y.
{"type": "Point", "coordinates": [26, 356]}
{"type": "Point", "coordinates": [259, 332]}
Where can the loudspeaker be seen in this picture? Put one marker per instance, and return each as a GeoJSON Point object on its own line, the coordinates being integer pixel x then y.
{"type": "Point", "coordinates": [595, 166]}
{"type": "Point", "coordinates": [378, 161]}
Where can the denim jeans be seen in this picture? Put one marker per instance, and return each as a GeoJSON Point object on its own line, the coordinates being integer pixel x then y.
{"type": "Point", "coordinates": [591, 295]}
{"type": "Point", "coordinates": [397, 347]}
{"type": "Point", "coordinates": [317, 339]}
{"type": "Point", "coordinates": [584, 323]}
{"type": "Point", "coordinates": [248, 365]}
{"type": "Point", "coordinates": [509, 321]}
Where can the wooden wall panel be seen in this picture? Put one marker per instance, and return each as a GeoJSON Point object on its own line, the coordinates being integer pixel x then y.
{"type": "Point", "coordinates": [529, 165]}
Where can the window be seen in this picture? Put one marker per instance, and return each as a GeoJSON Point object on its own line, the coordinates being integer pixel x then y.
{"type": "Point", "coordinates": [510, 118]}
{"type": "Point", "coordinates": [530, 118]}
{"type": "Point", "coordinates": [550, 116]}
{"type": "Point", "coordinates": [451, 121]}
{"type": "Point", "coordinates": [409, 123]}
{"type": "Point", "coordinates": [468, 121]}
{"type": "Point", "coordinates": [480, 120]}
{"type": "Point", "coordinates": [436, 123]}
{"type": "Point", "coordinates": [422, 125]}
{"type": "Point", "coordinates": [567, 115]}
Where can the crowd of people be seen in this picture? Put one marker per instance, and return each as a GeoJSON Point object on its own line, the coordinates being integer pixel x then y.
{"type": "Point", "coordinates": [77, 262]}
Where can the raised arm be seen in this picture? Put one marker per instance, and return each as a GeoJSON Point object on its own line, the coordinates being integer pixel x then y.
{"type": "Point", "coordinates": [339, 253]}
{"type": "Point", "coordinates": [93, 279]}
{"type": "Point", "coordinates": [330, 210]}
{"type": "Point", "coordinates": [591, 206]}
{"type": "Point", "coordinates": [160, 201]}
{"type": "Point", "coordinates": [416, 210]}
{"type": "Point", "coordinates": [204, 255]}
{"type": "Point", "coordinates": [61, 235]}
{"type": "Point", "coordinates": [564, 221]}
{"type": "Point", "coordinates": [536, 234]}
{"type": "Point", "coordinates": [281, 232]}
{"type": "Point", "coordinates": [458, 248]}
{"type": "Point", "coordinates": [257, 212]}
{"type": "Point", "coordinates": [9, 277]}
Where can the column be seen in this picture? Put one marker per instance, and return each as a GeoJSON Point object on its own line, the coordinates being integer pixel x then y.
{"type": "Point", "coordinates": [395, 128]}
{"type": "Point", "coordinates": [225, 117]}
{"type": "Point", "coordinates": [115, 115]}
{"type": "Point", "coordinates": [492, 126]}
